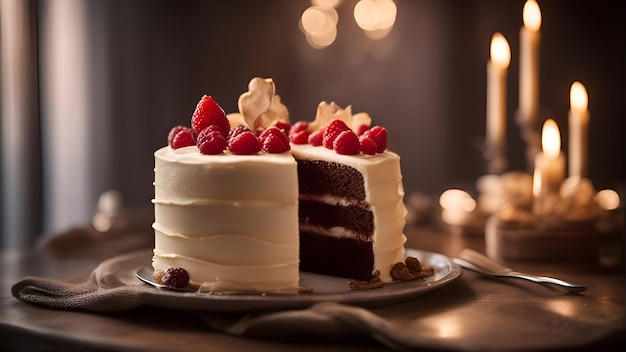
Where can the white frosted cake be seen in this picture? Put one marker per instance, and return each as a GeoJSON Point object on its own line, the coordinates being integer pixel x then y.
{"type": "Point", "coordinates": [244, 202]}
{"type": "Point", "coordinates": [230, 220]}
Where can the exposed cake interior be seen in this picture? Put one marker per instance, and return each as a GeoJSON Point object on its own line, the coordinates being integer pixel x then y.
{"type": "Point", "coordinates": [351, 213]}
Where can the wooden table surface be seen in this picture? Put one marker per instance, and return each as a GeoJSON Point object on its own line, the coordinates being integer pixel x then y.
{"type": "Point", "coordinates": [471, 313]}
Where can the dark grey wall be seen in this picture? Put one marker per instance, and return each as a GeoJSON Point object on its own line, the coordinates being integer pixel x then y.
{"type": "Point", "coordinates": [426, 82]}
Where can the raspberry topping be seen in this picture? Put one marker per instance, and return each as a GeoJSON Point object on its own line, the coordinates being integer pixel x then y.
{"type": "Point", "coordinates": [300, 137]}
{"type": "Point", "coordinates": [244, 143]}
{"type": "Point", "coordinates": [181, 137]}
{"type": "Point", "coordinates": [207, 113]}
{"type": "Point", "coordinates": [237, 130]}
{"type": "Point", "coordinates": [298, 126]}
{"type": "Point", "coordinates": [211, 141]}
{"type": "Point", "coordinates": [347, 143]}
{"type": "Point", "coordinates": [273, 130]}
{"type": "Point", "coordinates": [175, 277]}
{"type": "Point", "coordinates": [285, 127]}
{"type": "Point", "coordinates": [275, 144]}
{"type": "Point", "coordinates": [316, 137]}
{"type": "Point", "coordinates": [368, 146]}
{"type": "Point", "coordinates": [362, 129]}
{"type": "Point", "coordinates": [379, 136]}
{"type": "Point", "coordinates": [334, 128]}
{"type": "Point", "coordinates": [274, 140]}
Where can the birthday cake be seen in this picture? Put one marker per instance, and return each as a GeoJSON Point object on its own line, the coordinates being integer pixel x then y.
{"type": "Point", "coordinates": [245, 201]}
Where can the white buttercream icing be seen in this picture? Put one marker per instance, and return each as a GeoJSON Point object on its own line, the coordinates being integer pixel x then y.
{"type": "Point", "coordinates": [230, 220]}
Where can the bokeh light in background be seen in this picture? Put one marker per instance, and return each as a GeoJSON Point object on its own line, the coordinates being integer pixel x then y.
{"type": "Point", "coordinates": [318, 22]}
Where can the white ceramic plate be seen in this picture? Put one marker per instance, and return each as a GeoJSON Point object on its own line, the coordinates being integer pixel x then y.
{"type": "Point", "coordinates": [325, 288]}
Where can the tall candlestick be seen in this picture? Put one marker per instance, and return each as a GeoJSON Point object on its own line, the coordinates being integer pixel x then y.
{"type": "Point", "coordinates": [528, 109]}
{"type": "Point", "coordinates": [578, 126]}
{"type": "Point", "coordinates": [496, 103]}
{"type": "Point", "coordinates": [529, 61]}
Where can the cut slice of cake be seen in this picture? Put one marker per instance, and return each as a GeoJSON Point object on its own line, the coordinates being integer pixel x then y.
{"type": "Point", "coordinates": [351, 212]}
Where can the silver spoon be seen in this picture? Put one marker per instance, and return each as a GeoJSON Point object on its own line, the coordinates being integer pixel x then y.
{"type": "Point", "coordinates": [477, 262]}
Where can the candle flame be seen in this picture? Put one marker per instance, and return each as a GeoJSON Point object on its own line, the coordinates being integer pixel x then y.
{"type": "Point", "coordinates": [532, 15]}
{"type": "Point", "coordinates": [551, 139]}
{"type": "Point", "coordinates": [578, 97]}
{"type": "Point", "coordinates": [500, 50]}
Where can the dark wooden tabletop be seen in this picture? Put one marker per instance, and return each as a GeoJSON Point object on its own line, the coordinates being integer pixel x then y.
{"type": "Point", "coordinates": [471, 313]}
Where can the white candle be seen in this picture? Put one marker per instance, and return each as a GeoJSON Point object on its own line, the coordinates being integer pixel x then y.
{"type": "Point", "coordinates": [578, 126]}
{"type": "Point", "coordinates": [550, 163]}
{"type": "Point", "coordinates": [496, 102]}
{"type": "Point", "coordinates": [529, 62]}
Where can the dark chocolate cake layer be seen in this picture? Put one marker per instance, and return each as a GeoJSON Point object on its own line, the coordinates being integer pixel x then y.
{"type": "Point", "coordinates": [323, 177]}
{"type": "Point", "coordinates": [334, 256]}
{"type": "Point", "coordinates": [354, 218]}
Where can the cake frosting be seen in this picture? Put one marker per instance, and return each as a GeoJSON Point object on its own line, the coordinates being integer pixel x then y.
{"type": "Point", "coordinates": [382, 198]}
{"type": "Point", "coordinates": [243, 202]}
{"type": "Point", "coordinates": [229, 220]}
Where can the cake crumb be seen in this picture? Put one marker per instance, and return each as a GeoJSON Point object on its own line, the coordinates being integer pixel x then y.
{"type": "Point", "coordinates": [411, 269]}
{"type": "Point", "coordinates": [365, 285]}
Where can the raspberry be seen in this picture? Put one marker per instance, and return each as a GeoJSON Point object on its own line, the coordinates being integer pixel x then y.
{"type": "Point", "coordinates": [173, 132]}
{"type": "Point", "coordinates": [316, 137]}
{"type": "Point", "coordinates": [362, 129]}
{"type": "Point", "coordinates": [379, 136]}
{"type": "Point", "coordinates": [175, 277]}
{"type": "Point", "coordinates": [285, 127]}
{"type": "Point", "coordinates": [273, 130]}
{"type": "Point", "coordinates": [244, 143]}
{"type": "Point", "coordinates": [334, 128]}
{"type": "Point", "coordinates": [298, 126]}
{"type": "Point", "coordinates": [300, 137]}
{"type": "Point", "coordinates": [211, 142]}
{"type": "Point", "coordinates": [237, 130]}
{"type": "Point", "coordinates": [347, 143]}
{"type": "Point", "coordinates": [275, 144]}
{"type": "Point", "coordinates": [183, 138]}
{"type": "Point", "coordinates": [368, 146]}
{"type": "Point", "coordinates": [207, 113]}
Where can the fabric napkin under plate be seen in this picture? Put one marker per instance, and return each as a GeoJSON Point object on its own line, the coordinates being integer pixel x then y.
{"type": "Point", "coordinates": [112, 286]}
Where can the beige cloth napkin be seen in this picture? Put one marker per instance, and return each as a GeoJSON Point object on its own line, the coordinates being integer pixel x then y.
{"type": "Point", "coordinates": [112, 286]}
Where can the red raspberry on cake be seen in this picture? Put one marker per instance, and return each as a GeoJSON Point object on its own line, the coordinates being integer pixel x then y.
{"type": "Point", "coordinates": [285, 127]}
{"type": "Point", "coordinates": [368, 146]}
{"type": "Point", "coordinates": [379, 136]}
{"type": "Point", "coordinates": [273, 140]}
{"type": "Point", "coordinates": [362, 129]}
{"type": "Point", "coordinates": [316, 137]}
{"type": "Point", "coordinates": [300, 137]}
{"type": "Point", "coordinates": [299, 126]}
{"type": "Point", "coordinates": [237, 130]}
{"type": "Point", "coordinates": [211, 141]}
{"type": "Point", "coordinates": [334, 128]}
{"type": "Point", "coordinates": [207, 113]}
{"type": "Point", "coordinates": [180, 137]}
{"type": "Point", "coordinates": [244, 143]}
{"type": "Point", "coordinates": [347, 143]}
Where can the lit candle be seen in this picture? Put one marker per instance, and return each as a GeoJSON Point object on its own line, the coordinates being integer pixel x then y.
{"type": "Point", "coordinates": [550, 163]}
{"type": "Point", "coordinates": [578, 126]}
{"type": "Point", "coordinates": [529, 62]}
{"type": "Point", "coordinates": [496, 102]}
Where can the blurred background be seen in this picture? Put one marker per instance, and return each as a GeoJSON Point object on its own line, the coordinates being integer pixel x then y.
{"type": "Point", "coordinates": [90, 88]}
